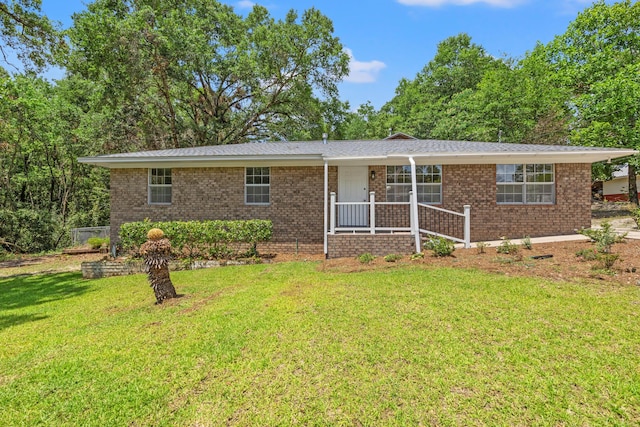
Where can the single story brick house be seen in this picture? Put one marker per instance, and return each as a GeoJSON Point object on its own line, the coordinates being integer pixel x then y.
{"type": "Point", "coordinates": [345, 198]}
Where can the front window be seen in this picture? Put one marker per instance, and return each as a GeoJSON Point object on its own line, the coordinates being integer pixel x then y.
{"type": "Point", "coordinates": [526, 184]}
{"type": "Point", "coordinates": [160, 186]}
{"type": "Point", "coordinates": [257, 186]}
{"type": "Point", "coordinates": [428, 183]}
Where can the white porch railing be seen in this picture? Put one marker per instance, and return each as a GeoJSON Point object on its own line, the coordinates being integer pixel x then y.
{"type": "Point", "coordinates": [402, 217]}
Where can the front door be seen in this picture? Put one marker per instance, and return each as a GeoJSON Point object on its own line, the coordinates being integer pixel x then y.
{"type": "Point", "coordinates": [353, 186]}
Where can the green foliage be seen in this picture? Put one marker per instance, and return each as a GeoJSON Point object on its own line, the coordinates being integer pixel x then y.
{"type": "Point", "coordinates": [366, 258]}
{"type": "Point", "coordinates": [507, 247]}
{"type": "Point", "coordinates": [98, 242]}
{"type": "Point", "coordinates": [635, 214]}
{"type": "Point", "coordinates": [526, 243]}
{"type": "Point", "coordinates": [597, 60]}
{"type": "Point", "coordinates": [604, 237]}
{"type": "Point", "coordinates": [192, 74]}
{"type": "Point", "coordinates": [392, 257]}
{"type": "Point", "coordinates": [417, 255]}
{"type": "Point", "coordinates": [210, 239]}
{"type": "Point", "coordinates": [440, 246]}
{"type": "Point", "coordinates": [481, 246]}
{"type": "Point", "coordinates": [587, 254]}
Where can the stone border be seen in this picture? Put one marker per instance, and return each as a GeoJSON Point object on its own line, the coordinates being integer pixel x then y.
{"type": "Point", "coordinates": [100, 269]}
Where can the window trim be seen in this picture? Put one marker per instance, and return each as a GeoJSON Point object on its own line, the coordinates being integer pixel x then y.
{"type": "Point", "coordinates": [247, 185]}
{"type": "Point", "coordinates": [418, 184]}
{"type": "Point", "coordinates": [150, 185]}
{"type": "Point", "coordinates": [526, 183]}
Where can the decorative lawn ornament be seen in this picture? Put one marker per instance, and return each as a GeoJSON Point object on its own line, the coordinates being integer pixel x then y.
{"type": "Point", "coordinates": [157, 253]}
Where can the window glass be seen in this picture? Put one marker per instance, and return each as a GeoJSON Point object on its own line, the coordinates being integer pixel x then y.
{"type": "Point", "coordinates": [428, 183]}
{"type": "Point", "coordinates": [160, 186]}
{"type": "Point", "coordinates": [257, 186]}
{"type": "Point", "coordinates": [526, 183]}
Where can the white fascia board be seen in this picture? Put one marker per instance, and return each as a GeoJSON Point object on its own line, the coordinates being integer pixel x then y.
{"type": "Point", "coordinates": [507, 158]}
{"type": "Point", "coordinates": [201, 161]}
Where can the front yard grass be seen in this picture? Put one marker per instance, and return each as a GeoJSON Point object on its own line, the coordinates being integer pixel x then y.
{"type": "Point", "coordinates": [288, 344]}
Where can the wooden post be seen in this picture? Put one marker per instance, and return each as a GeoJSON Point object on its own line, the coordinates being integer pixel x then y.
{"type": "Point", "coordinates": [332, 214]}
{"type": "Point", "coordinates": [372, 212]}
{"type": "Point", "coordinates": [467, 226]}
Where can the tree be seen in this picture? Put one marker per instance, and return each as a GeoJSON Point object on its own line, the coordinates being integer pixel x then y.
{"type": "Point", "coordinates": [598, 59]}
{"type": "Point", "coordinates": [24, 30]}
{"type": "Point", "coordinates": [192, 72]}
{"type": "Point", "coordinates": [420, 105]}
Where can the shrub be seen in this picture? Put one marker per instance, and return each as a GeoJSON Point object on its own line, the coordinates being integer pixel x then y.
{"type": "Point", "coordinates": [392, 257]}
{"type": "Point", "coordinates": [97, 242]}
{"type": "Point", "coordinates": [418, 255]}
{"type": "Point", "coordinates": [604, 237]}
{"type": "Point", "coordinates": [507, 248]}
{"type": "Point", "coordinates": [440, 246]}
{"type": "Point", "coordinates": [193, 239]}
{"type": "Point", "coordinates": [366, 258]}
{"type": "Point", "coordinates": [481, 246]}
{"type": "Point", "coordinates": [635, 214]}
{"type": "Point", "coordinates": [587, 254]}
{"type": "Point", "coordinates": [526, 243]}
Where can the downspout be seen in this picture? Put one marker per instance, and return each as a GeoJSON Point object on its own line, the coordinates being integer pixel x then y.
{"type": "Point", "coordinates": [326, 208]}
{"type": "Point", "coordinates": [414, 204]}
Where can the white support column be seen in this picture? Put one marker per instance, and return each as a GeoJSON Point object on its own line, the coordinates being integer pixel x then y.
{"type": "Point", "coordinates": [332, 214]}
{"type": "Point", "coordinates": [414, 204]}
{"type": "Point", "coordinates": [326, 207]}
{"type": "Point", "coordinates": [467, 226]}
{"type": "Point", "coordinates": [372, 211]}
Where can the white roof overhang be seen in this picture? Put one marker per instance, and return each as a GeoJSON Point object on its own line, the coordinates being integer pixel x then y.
{"type": "Point", "coordinates": [460, 158]}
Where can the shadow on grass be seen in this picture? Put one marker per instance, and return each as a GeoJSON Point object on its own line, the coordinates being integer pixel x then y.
{"type": "Point", "coordinates": [26, 291]}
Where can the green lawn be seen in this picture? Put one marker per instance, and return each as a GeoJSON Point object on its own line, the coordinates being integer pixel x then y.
{"type": "Point", "coordinates": [288, 344]}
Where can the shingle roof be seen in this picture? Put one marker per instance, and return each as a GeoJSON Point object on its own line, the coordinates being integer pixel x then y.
{"type": "Point", "coordinates": [362, 150]}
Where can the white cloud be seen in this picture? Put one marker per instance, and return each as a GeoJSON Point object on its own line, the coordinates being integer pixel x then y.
{"type": "Point", "coordinates": [363, 72]}
{"type": "Point", "coordinates": [436, 3]}
{"type": "Point", "coordinates": [245, 4]}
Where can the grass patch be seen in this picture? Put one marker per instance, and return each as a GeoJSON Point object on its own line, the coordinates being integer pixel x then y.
{"type": "Point", "coordinates": [288, 344]}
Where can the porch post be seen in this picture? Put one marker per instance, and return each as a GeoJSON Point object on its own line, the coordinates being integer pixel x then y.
{"type": "Point", "coordinates": [467, 226]}
{"type": "Point", "coordinates": [372, 211]}
{"type": "Point", "coordinates": [413, 201]}
{"type": "Point", "coordinates": [332, 214]}
{"type": "Point", "coordinates": [326, 202]}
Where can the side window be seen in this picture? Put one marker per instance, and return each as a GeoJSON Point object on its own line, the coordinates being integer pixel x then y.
{"type": "Point", "coordinates": [257, 186]}
{"type": "Point", "coordinates": [159, 186]}
{"type": "Point", "coordinates": [526, 184]}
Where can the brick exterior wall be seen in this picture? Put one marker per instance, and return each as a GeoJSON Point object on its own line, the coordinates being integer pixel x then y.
{"type": "Point", "coordinates": [297, 207]}
{"type": "Point", "coordinates": [476, 185]}
{"type": "Point", "coordinates": [349, 245]}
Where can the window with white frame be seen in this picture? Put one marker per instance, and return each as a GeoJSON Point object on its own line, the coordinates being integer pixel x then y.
{"type": "Point", "coordinates": [526, 184]}
{"type": "Point", "coordinates": [257, 186]}
{"type": "Point", "coordinates": [428, 183]}
{"type": "Point", "coordinates": [160, 186]}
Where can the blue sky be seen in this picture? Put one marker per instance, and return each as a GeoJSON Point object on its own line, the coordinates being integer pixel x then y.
{"type": "Point", "coordinates": [392, 39]}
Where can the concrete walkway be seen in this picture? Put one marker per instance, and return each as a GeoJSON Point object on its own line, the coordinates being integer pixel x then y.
{"type": "Point", "coordinates": [631, 234]}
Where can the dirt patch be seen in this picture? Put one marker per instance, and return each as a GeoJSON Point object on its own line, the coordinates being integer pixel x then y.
{"type": "Point", "coordinates": [563, 264]}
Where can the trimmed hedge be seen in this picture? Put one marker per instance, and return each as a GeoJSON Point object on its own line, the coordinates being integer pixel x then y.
{"type": "Point", "coordinates": [201, 239]}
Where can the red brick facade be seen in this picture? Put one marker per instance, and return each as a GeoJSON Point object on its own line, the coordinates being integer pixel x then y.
{"type": "Point", "coordinates": [297, 206]}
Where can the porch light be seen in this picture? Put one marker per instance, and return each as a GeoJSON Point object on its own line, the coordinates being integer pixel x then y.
{"type": "Point", "coordinates": [373, 175]}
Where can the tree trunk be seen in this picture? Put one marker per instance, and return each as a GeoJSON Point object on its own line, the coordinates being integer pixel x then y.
{"type": "Point", "coordinates": [161, 283]}
{"type": "Point", "coordinates": [633, 185]}
{"type": "Point", "coordinates": [157, 252]}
